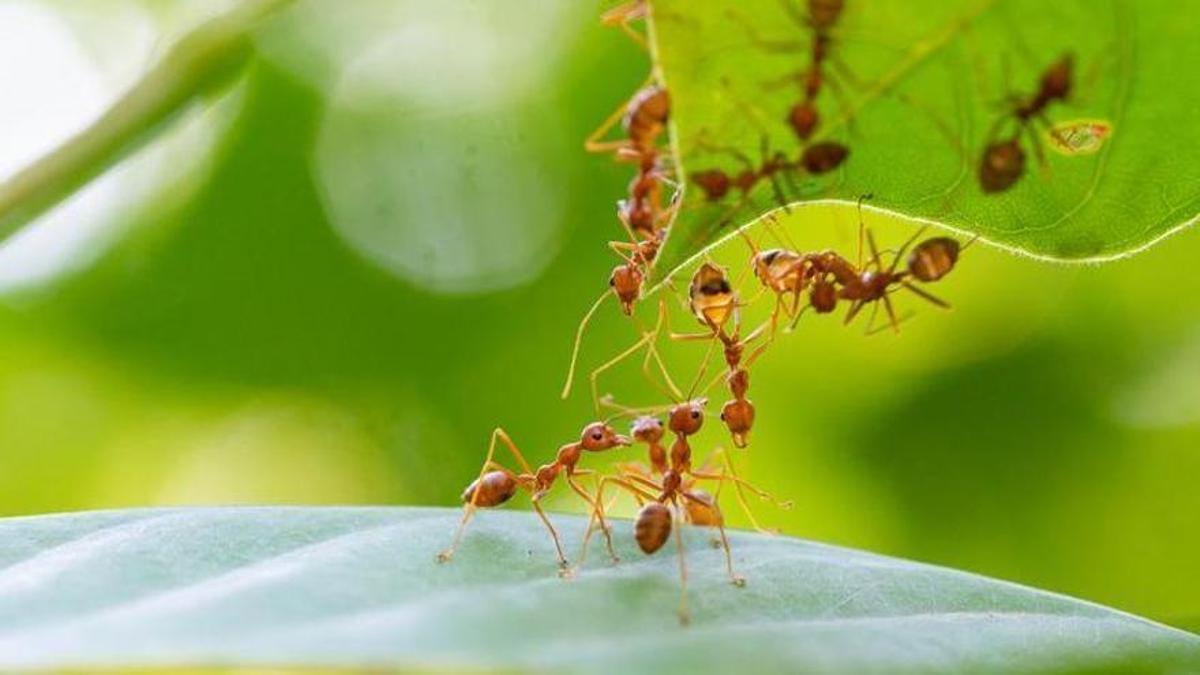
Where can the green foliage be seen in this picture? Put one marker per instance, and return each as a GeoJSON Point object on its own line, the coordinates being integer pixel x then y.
{"type": "Point", "coordinates": [340, 587]}
{"type": "Point", "coordinates": [922, 87]}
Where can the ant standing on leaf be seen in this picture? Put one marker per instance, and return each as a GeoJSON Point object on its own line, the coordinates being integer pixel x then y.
{"type": "Point", "coordinates": [497, 484]}
{"type": "Point", "coordinates": [1003, 161]}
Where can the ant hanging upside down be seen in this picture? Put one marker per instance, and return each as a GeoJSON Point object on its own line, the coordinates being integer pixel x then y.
{"type": "Point", "coordinates": [1003, 161]}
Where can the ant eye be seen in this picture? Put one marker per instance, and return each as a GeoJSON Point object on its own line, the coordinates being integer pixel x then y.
{"type": "Point", "coordinates": [612, 281]}
{"type": "Point", "coordinates": [695, 414]}
{"type": "Point", "coordinates": [596, 435]}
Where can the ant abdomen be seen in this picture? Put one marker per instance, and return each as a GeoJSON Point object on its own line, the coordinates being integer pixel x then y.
{"type": "Point", "coordinates": [933, 259]}
{"type": "Point", "coordinates": [494, 488]}
{"type": "Point", "coordinates": [1003, 163]}
{"type": "Point", "coordinates": [652, 527]}
{"type": "Point", "coordinates": [714, 182]}
{"type": "Point", "coordinates": [824, 157]}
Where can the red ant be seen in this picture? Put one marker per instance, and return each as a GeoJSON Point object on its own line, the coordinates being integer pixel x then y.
{"type": "Point", "coordinates": [930, 260]}
{"type": "Point", "coordinates": [803, 117]}
{"type": "Point", "coordinates": [497, 484]}
{"type": "Point", "coordinates": [1003, 161]}
{"type": "Point", "coordinates": [644, 118]}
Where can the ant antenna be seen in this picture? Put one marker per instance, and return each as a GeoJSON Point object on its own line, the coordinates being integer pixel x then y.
{"type": "Point", "coordinates": [566, 392]}
{"type": "Point", "coordinates": [861, 226]}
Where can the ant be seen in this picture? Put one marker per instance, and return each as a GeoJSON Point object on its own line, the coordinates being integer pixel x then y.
{"type": "Point", "coordinates": [714, 303]}
{"type": "Point", "coordinates": [642, 215]}
{"type": "Point", "coordinates": [496, 484]}
{"type": "Point", "coordinates": [1003, 161]}
{"type": "Point", "coordinates": [803, 117]}
{"type": "Point", "coordinates": [931, 260]}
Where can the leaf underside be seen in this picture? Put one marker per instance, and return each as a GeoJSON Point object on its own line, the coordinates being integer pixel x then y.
{"type": "Point", "coordinates": [915, 89]}
{"type": "Point", "coordinates": [359, 586]}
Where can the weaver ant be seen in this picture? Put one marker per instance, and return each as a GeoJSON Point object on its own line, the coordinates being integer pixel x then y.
{"type": "Point", "coordinates": [642, 215]}
{"type": "Point", "coordinates": [931, 260]}
{"type": "Point", "coordinates": [496, 484]}
{"type": "Point", "coordinates": [1003, 161]}
{"type": "Point", "coordinates": [803, 117]}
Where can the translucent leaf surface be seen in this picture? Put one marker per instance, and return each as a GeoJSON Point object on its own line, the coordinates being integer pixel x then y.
{"type": "Point", "coordinates": [916, 89]}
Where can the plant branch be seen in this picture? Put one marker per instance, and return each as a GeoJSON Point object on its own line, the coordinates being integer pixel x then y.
{"type": "Point", "coordinates": [199, 63]}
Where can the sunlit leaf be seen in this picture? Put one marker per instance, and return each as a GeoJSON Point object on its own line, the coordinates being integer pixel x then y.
{"type": "Point", "coordinates": [916, 90]}
{"type": "Point", "coordinates": [344, 586]}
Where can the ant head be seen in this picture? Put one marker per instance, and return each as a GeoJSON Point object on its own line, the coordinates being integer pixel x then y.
{"type": "Point", "coordinates": [803, 119]}
{"type": "Point", "coordinates": [1056, 82]}
{"type": "Point", "coordinates": [599, 436]}
{"type": "Point", "coordinates": [711, 297]}
{"type": "Point", "coordinates": [647, 429]}
{"type": "Point", "coordinates": [1003, 163]}
{"type": "Point", "coordinates": [626, 282]}
{"type": "Point", "coordinates": [686, 418]}
{"type": "Point", "coordinates": [714, 182]}
{"type": "Point", "coordinates": [738, 416]}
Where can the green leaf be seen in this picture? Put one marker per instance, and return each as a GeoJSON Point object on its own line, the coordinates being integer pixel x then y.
{"type": "Point", "coordinates": [199, 63]}
{"type": "Point", "coordinates": [922, 85]}
{"type": "Point", "coordinates": [355, 586]}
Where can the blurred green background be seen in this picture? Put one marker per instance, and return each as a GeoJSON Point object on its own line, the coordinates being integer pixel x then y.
{"type": "Point", "coordinates": [330, 284]}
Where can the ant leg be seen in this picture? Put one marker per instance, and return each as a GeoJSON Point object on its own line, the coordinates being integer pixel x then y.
{"type": "Point", "coordinates": [854, 310]}
{"type": "Point", "coordinates": [469, 507]}
{"type": "Point", "coordinates": [903, 319]}
{"type": "Point", "coordinates": [594, 376]}
{"type": "Point", "coordinates": [766, 44]}
{"type": "Point", "coordinates": [597, 506]}
{"type": "Point", "coordinates": [1037, 148]}
{"type": "Point", "coordinates": [593, 143]}
{"type": "Point", "coordinates": [678, 527]}
{"type": "Point", "coordinates": [564, 567]}
{"type": "Point", "coordinates": [673, 391]}
{"type": "Point", "coordinates": [730, 474]}
{"type": "Point", "coordinates": [891, 312]}
{"type": "Point", "coordinates": [926, 294]}
{"type": "Point", "coordinates": [621, 17]}
{"type": "Point", "coordinates": [566, 391]}
{"type": "Point", "coordinates": [795, 14]}
{"type": "Point", "coordinates": [638, 494]}
{"type": "Point", "coordinates": [909, 242]}
{"type": "Point", "coordinates": [734, 578]}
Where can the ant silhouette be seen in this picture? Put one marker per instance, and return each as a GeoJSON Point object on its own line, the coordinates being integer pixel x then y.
{"type": "Point", "coordinates": [496, 483]}
{"type": "Point", "coordinates": [803, 117]}
{"type": "Point", "coordinates": [1003, 161]}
